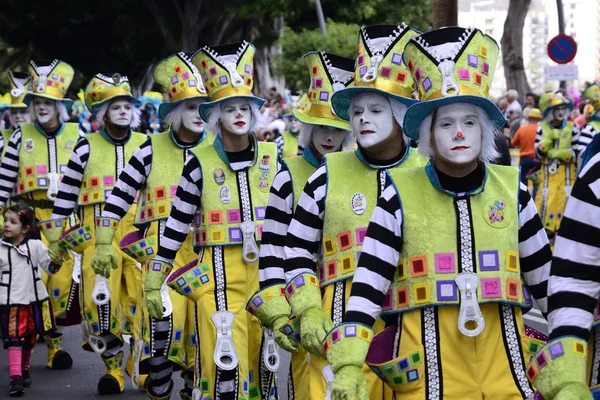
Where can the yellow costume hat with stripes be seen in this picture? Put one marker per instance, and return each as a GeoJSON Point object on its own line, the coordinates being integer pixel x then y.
{"type": "Point", "coordinates": [51, 79]}
{"type": "Point", "coordinates": [103, 88]}
{"type": "Point", "coordinates": [20, 86]}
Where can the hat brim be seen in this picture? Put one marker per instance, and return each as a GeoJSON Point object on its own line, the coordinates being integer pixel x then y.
{"type": "Point", "coordinates": [18, 105]}
{"type": "Point", "coordinates": [166, 108]}
{"type": "Point", "coordinates": [204, 108]}
{"type": "Point", "coordinates": [308, 119]}
{"type": "Point", "coordinates": [96, 106]}
{"type": "Point", "coordinates": [29, 98]}
{"type": "Point", "coordinates": [342, 99]}
{"type": "Point", "coordinates": [550, 108]}
{"type": "Point", "coordinates": [419, 111]}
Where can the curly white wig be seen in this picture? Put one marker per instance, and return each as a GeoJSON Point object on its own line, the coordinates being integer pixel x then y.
{"type": "Point", "coordinates": [305, 137]}
{"type": "Point", "coordinates": [101, 113]}
{"type": "Point", "coordinates": [214, 118]}
{"type": "Point", "coordinates": [398, 111]}
{"type": "Point", "coordinates": [488, 146]}
{"type": "Point", "coordinates": [63, 114]}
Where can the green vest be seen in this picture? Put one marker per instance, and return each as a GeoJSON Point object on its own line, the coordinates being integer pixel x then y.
{"type": "Point", "coordinates": [353, 188]}
{"type": "Point", "coordinates": [300, 170]}
{"type": "Point", "coordinates": [6, 134]}
{"type": "Point", "coordinates": [595, 125]}
{"type": "Point", "coordinates": [290, 145]}
{"type": "Point", "coordinates": [105, 162]}
{"type": "Point", "coordinates": [34, 161]}
{"type": "Point", "coordinates": [158, 193]}
{"type": "Point", "coordinates": [566, 134]}
{"type": "Point", "coordinates": [217, 222]}
{"type": "Point", "coordinates": [432, 251]}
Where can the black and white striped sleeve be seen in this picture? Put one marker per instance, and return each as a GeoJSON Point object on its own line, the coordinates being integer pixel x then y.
{"type": "Point", "coordinates": [574, 283]}
{"type": "Point", "coordinates": [132, 178]}
{"type": "Point", "coordinates": [303, 240]}
{"type": "Point", "coordinates": [2, 144]}
{"type": "Point", "coordinates": [69, 188]}
{"type": "Point", "coordinates": [277, 222]}
{"type": "Point", "coordinates": [279, 141]}
{"type": "Point", "coordinates": [538, 137]}
{"type": "Point", "coordinates": [575, 140]}
{"type": "Point", "coordinates": [378, 260]}
{"type": "Point", "coordinates": [9, 169]}
{"type": "Point", "coordinates": [186, 203]}
{"type": "Point", "coordinates": [534, 250]}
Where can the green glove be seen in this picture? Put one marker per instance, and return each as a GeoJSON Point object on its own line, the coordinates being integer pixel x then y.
{"type": "Point", "coordinates": [105, 256]}
{"type": "Point", "coordinates": [156, 273]}
{"type": "Point", "coordinates": [53, 230]}
{"type": "Point", "coordinates": [272, 309]}
{"type": "Point", "coordinates": [558, 370]}
{"type": "Point", "coordinates": [561, 154]}
{"type": "Point", "coordinates": [346, 347]}
{"type": "Point", "coordinates": [304, 296]}
{"type": "Point", "coordinates": [545, 144]}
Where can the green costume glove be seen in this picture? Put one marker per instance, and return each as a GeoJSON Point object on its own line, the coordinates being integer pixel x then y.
{"type": "Point", "coordinates": [156, 274]}
{"type": "Point", "coordinates": [272, 309]}
{"type": "Point", "coordinates": [564, 155]}
{"type": "Point", "coordinates": [558, 370]}
{"type": "Point", "coordinates": [304, 296]}
{"type": "Point", "coordinates": [53, 230]}
{"type": "Point", "coordinates": [545, 144]}
{"type": "Point", "coordinates": [105, 256]}
{"type": "Point", "coordinates": [346, 347]}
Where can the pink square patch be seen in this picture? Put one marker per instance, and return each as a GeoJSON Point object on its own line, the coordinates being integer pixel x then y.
{"type": "Point", "coordinates": [109, 180]}
{"type": "Point", "coordinates": [41, 169]}
{"type": "Point", "coordinates": [463, 74]}
{"type": "Point", "coordinates": [360, 235]}
{"type": "Point", "coordinates": [445, 263]}
{"type": "Point", "coordinates": [386, 72]}
{"type": "Point", "coordinates": [173, 191]}
{"type": "Point", "coordinates": [491, 288]}
{"type": "Point", "coordinates": [388, 301]}
{"type": "Point", "coordinates": [234, 216]}
{"type": "Point", "coordinates": [259, 229]}
{"type": "Point", "coordinates": [185, 75]}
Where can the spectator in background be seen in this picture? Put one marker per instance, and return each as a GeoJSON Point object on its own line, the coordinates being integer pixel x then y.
{"type": "Point", "coordinates": [514, 109]}
{"type": "Point", "coordinates": [524, 139]}
{"type": "Point", "coordinates": [502, 104]}
{"type": "Point", "coordinates": [531, 100]}
{"type": "Point", "coordinates": [582, 118]}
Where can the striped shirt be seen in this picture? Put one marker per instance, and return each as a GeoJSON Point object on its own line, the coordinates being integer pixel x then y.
{"type": "Point", "coordinates": [574, 283]}
{"type": "Point", "coordinates": [9, 169]}
{"type": "Point", "coordinates": [187, 202]}
{"type": "Point", "coordinates": [575, 145]}
{"type": "Point", "coordinates": [585, 138]}
{"type": "Point", "coordinates": [383, 244]}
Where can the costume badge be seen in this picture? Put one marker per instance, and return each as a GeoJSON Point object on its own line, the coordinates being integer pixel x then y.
{"type": "Point", "coordinates": [264, 163]}
{"type": "Point", "coordinates": [263, 182]}
{"type": "Point", "coordinates": [219, 176]}
{"type": "Point", "coordinates": [495, 213]}
{"type": "Point", "coordinates": [225, 194]}
{"type": "Point", "coordinates": [29, 145]}
{"type": "Point", "coordinates": [358, 202]}
{"type": "Point", "coordinates": [69, 145]}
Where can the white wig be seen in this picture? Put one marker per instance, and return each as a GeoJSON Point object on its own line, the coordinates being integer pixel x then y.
{"type": "Point", "coordinates": [305, 137]}
{"type": "Point", "coordinates": [101, 113]}
{"type": "Point", "coordinates": [63, 114]}
{"type": "Point", "coordinates": [398, 111]}
{"type": "Point", "coordinates": [488, 145]}
{"type": "Point", "coordinates": [214, 118]}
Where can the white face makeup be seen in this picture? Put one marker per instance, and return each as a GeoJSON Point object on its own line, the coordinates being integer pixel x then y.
{"type": "Point", "coordinates": [326, 139]}
{"type": "Point", "coordinates": [120, 112]}
{"type": "Point", "coordinates": [457, 133]}
{"type": "Point", "coordinates": [19, 116]}
{"type": "Point", "coordinates": [46, 112]}
{"type": "Point", "coordinates": [559, 113]}
{"type": "Point", "coordinates": [293, 125]}
{"type": "Point", "coordinates": [191, 117]}
{"type": "Point", "coordinates": [371, 119]}
{"type": "Point", "coordinates": [236, 116]}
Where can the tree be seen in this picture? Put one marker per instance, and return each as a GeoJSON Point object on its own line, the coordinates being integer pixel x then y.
{"type": "Point", "coordinates": [444, 13]}
{"type": "Point", "coordinates": [512, 47]}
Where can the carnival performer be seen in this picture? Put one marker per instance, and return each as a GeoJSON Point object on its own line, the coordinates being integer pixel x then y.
{"type": "Point", "coordinates": [163, 340]}
{"type": "Point", "coordinates": [23, 297]}
{"type": "Point", "coordinates": [20, 85]}
{"type": "Point", "coordinates": [556, 148]}
{"type": "Point", "coordinates": [436, 238]}
{"type": "Point", "coordinates": [320, 133]}
{"type": "Point", "coordinates": [32, 166]}
{"type": "Point", "coordinates": [287, 141]}
{"type": "Point", "coordinates": [224, 188]}
{"type": "Point", "coordinates": [95, 163]}
{"type": "Point", "coordinates": [589, 130]}
{"type": "Point", "coordinates": [327, 231]}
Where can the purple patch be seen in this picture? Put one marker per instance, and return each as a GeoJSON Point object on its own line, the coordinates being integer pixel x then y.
{"type": "Point", "coordinates": [213, 71]}
{"type": "Point", "coordinates": [174, 80]}
{"type": "Point", "coordinates": [426, 84]}
{"type": "Point", "coordinates": [42, 182]}
{"type": "Point", "coordinates": [397, 59]}
{"type": "Point", "coordinates": [299, 281]}
{"type": "Point", "coordinates": [386, 72]}
{"type": "Point", "coordinates": [350, 331]}
{"type": "Point", "coordinates": [247, 68]}
{"type": "Point", "coordinates": [418, 74]}
{"type": "Point", "coordinates": [192, 83]}
{"type": "Point", "coordinates": [335, 336]}
{"type": "Point", "coordinates": [260, 213]}
{"type": "Point", "coordinates": [362, 71]}
{"type": "Point", "coordinates": [105, 222]}
{"type": "Point", "coordinates": [318, 83]}
{"type": "Point", "coordinates": [446, 290]}
{"type": "Point", "coordinates": [485, 67]}
{"type": "Point", "coordinates": [488, 260]}
{"type": "Point", "coordinates": [360, 60]}
{"type": "Point", "coordinates": [223, 80]}
{"type": "Point", "coordinates": [556, 350]}
{"type": "Point", "coordinates": [387, 301]}
{"type": "Point", "coordinates": [156, 266]}
{"type": "Point", "coordinates": [235, 234]}
{"type": "Point", "coordinates": [324, 96]}
{"type": "Point", "coordinates": [257, 301]}
{"type": "Point", "coordinates": [473, 60]}
{"type": "Point", "coordinates": [541, 360]}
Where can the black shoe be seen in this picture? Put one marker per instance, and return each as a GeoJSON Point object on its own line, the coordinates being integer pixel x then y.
{"type": "Point", "coordinates": [26, 379]}
{"type": "Point", "coordinates": [62, 360]}
{"type": "Point", "coordinates": [16, 388]}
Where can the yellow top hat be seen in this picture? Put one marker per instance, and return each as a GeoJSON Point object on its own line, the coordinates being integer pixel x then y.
{"type": "Point", "coordinates": [51, 79]}
{"type": "Point", "coordinates": [298, 103]}
{"type": "Point", "coordinates": [329, 74]}
{"type": "Point", "coordinates": [379, 66]}
{"type": "Point", "coordinates": [180, 78]}
{"type": "Point", "coordinates": [451, 65]}
{"type": "Point", "coordinates": [592, 93]}
{"type": "Point", "coordinates": [103, 88]}
{"type": "Point", "coordinates": [20, 85]}
{"type": "Point", "coordinates": [5, 100]}
{"type": "Point", "coordinates": [227, 73]}
{"type": "Point", "coordinates": [557, 100]}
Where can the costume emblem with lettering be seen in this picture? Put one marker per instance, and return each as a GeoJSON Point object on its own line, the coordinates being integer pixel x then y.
{"type": "Point", "coordinates": [225, 194]}
{"type": "Point", "coordinates": [358, 203]}
{"type": "Point", "coordinates": [29, 145]}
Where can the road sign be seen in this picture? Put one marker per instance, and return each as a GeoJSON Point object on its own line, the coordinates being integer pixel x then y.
{"type": "Point", "coordinates": [561, 72]}
{"type": "Point", "coordinates": [562, 49]}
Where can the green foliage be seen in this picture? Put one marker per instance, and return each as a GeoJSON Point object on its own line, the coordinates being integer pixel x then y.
{"type": "Point", "coordinates": [341, 39]}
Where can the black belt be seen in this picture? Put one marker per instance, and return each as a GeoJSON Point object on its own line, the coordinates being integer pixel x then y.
{"type": "Point", "coordinates": [42, 204]}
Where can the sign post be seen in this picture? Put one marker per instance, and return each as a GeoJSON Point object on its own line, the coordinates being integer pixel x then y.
{"type": "Point", "coordinates": [562, 49]}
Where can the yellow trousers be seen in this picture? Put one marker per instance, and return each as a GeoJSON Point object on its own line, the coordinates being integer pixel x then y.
{"type": "Point", "coordinates": [232, 282]}
{"type": "Point", "coordinates": [456, 367]}
{"type": "Point", "coordinates": [299, 377]}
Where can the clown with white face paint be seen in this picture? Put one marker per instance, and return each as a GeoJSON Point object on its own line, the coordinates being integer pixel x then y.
{"type": "Point", "coordinates": [33, 165]}
{"type": "Point", "coordinates": [287, 141]}
{"type": "Point", "coordinates": [100, 154]}
{"type": "Point", "coordinates": [451, 263]}
{"type": "Point", "coordinates": [164, 337]}
{"type": "Point", "coordinates": [319, 135]}
{"type": "Point", "coordinates": [557, 148]}
{"type": "Point", "coordinates": [326, 234]}
{"type": "Point", "coordinates": [20, 85]}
